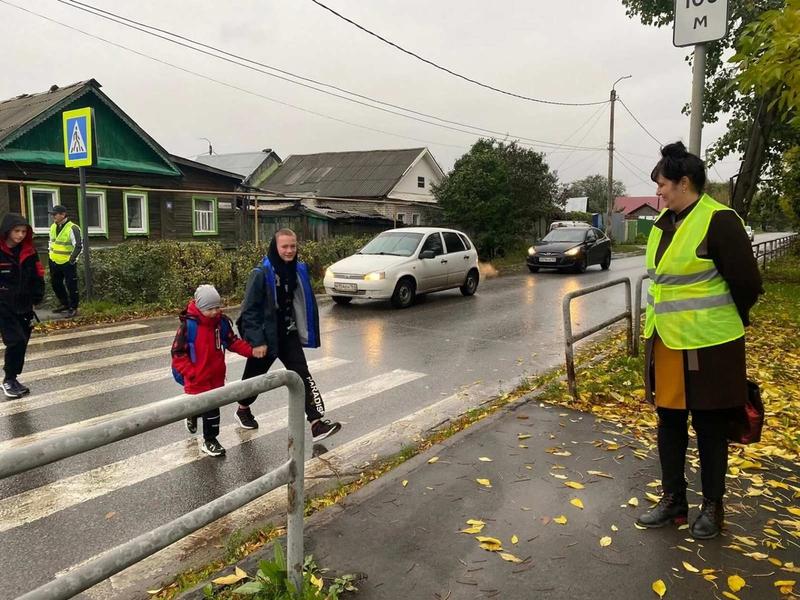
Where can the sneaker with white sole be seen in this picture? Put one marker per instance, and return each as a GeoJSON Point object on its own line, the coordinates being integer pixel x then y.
{"type": "Point", "coordinates": [191, 425]}
{"type": "Point", "coordinates": [212, 447]}
{"type": "Point", "coordinates": [323, 428]}
{"type": "Point", "coordinates": [12, 389]}
{"type": "Point", "coordinates": [246, 418]}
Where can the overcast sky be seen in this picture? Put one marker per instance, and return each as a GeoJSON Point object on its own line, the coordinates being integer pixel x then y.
{"type": "Point", "coordinates": [562, 50]}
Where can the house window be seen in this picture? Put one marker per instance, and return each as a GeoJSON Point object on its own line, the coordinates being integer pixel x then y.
{"type": "Point", "coordinates": [96, 212]}
{"type": "Point", "coordinates": [420, 182]}
{"type": "Point", "coordinates": [401, 217]}
{"type": "Point", "coordinates": [205, 216]}
{"type": "Point", "coordinates": [40, 201]}
{"type": "Point", "coordinates": [135, 209]}
{"type": "Point", "coordinates": [414, 219]}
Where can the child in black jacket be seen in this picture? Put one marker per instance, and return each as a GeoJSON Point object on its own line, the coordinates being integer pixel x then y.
{"type": "Point", "coordinates": [21, 287]}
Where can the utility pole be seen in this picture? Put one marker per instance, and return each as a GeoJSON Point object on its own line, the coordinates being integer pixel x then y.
{"type": "Point", "coordinates": [698, 83]}
{"type": "Point", "coordinates": [610, 203]}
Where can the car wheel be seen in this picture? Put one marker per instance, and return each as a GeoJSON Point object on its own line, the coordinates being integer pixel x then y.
{"type": "Point", "coordinates": [533, 269]}
{"type": "Point", "coordinates": [342, 299]}
{"type": "Point", "coordinates": [470, 283]}
{"type": "Point", "coordinates": [404, 293]}
{"type": "Point", "coordinates": [580, 266]}
{"type": "Point", "coordinates": [606, 262]}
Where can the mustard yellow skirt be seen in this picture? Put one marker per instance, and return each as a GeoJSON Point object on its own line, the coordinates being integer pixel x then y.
{"type": "Point", "coordinates": [670, 381]}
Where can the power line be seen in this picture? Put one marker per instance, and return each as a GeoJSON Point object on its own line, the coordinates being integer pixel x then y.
{"type": "Point", "coordinates": [223, 83]}
{"type": "Point", "coordinates": [235, 59]}
{"type": "Point", "coordinates": [596, 116]}
{"type": "Point", "coordinates": [631, 168]}
{"type": "Point", "coordinates": [628, 110]}
{"type": "Point", "coordinates": [446, 70]}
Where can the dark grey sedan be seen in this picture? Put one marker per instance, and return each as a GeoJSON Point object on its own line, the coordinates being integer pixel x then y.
{"type": "Point", "coordinates": [573, 248]}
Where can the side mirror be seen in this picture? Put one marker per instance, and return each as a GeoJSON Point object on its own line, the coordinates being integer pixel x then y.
{"type": "Point", "coordinates": [427, 254]}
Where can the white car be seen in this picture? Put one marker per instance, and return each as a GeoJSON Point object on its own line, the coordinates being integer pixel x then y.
{"type": "Point", "coordinates": [399, 264]}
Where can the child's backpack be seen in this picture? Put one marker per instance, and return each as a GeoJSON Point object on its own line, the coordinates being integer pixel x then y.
{"type": "Point", "coordinates": [191, 336]}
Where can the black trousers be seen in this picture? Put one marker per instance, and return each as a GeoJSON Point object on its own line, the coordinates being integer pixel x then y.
{"type": "Point", "coordinates": [16, 331]}
{"type": "Point", "coordinates": [712, 445]}
{"type": "Point", "coordinates": [65, 274]}
{"type": "Point", "coordinates": [211, 424]}
{"type": "Point", "coordinates": [290, 353]}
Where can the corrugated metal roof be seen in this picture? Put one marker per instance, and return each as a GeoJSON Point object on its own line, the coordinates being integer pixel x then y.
{"type": "Point", "coordinates": [16, 112]}
{"type": "Point", "coordinates": [364, 174]}
{"type": "Point", "coordinates": [242, 163]}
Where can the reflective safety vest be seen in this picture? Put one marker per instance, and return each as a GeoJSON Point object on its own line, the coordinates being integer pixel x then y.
{"type": "Point", "coordinates": [689, 304]}
{"type": "Point", "coordinates": [61, 247]}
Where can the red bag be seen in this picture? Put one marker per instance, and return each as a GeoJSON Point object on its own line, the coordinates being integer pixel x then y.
{"type": "Point", "coordinates": [748, 420]}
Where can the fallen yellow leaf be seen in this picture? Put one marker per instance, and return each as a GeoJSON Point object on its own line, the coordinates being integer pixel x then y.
{"type": "Point", "coordinates": [736, 583]}
{"type": "Point", "coordinates": [600, 474]}
{"type": "Point", "coordinates": [488, 540]}
{"type": "Point", "coordinates": [514, 539]}
{"type": "Point", "coordinates": [475, 522]}
{"type": "Point", "coordinates": [473, 529]}
{"type": "Point", "coordinates": [316, 581]}
{"type": "Point", "coordinates": [577, 502]}
{"type": "Point", "coordinates": [433, 460]}
{"type": "Point", "coordinates": [659, 588]}
{"type": "Point", "coordinates": [562, 520]}
{"type": "Point", "coordinates": [484, 482]}
{"type": "Point", "coordinates": [731, 596]}
{"type": "Point", "coordinates": [605, 541]}
{"type": "Point", "coordinates": [510, 557]}
{"type": "Point", "coordinates": [485, 459]}
{"type": "Point", "coordinates": [234, 577]}
{"type": "Point", "coordinates": [523, 436]}
{"type": "Point", "coordinates": [785, 583]}
{"type": "Point", "coordinates": [690, 567]}
{"type": "Point", "coordinates": [574, 485]}
{"type": "Point", "coordinates": [634, 502]}
{"type": "Point", "coordinates": [490, 547]}
{"type": "Point", "coordinates": [614, 528]}
{"type": "Point", "coordinates": [405, 482]}
{"type": "Point", "coordinates": [795, 511]}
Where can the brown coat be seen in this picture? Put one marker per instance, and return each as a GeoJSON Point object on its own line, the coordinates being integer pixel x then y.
{"type": "Point", "coordinates": [715, 377]}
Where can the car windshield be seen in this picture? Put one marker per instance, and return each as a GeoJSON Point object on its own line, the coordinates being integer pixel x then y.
{"type": "Point", "coordinates": [396, 243]}
{"type": "Point", "coordinates": [565, 235]}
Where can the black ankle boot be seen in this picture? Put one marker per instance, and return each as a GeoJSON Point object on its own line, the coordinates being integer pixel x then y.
{"type": "Point", "coordinates": [672, 508]}
{"type": "Point", "coordinates": [709, 523]}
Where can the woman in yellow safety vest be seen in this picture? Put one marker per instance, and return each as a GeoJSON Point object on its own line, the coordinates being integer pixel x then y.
{"type": "Point", "coordinates": [704, 280]}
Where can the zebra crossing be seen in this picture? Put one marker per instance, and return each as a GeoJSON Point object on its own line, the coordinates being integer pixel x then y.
{"type": "Point", "coordinates": [139, 378]}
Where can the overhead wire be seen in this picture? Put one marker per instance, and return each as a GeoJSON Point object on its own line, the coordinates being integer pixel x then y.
{"type": "Point", "coordinates": [232, 58]}
{"type": "Point", "coordinates": [226, 84]}
{"type": "Point", "coordinates": [628, 110]}
{"type": "Point", "coordinates": [632, 169]}
{"type": "Point", "coordinates": [449, 71]}
{"type": "Point", "coordinates": [596, 118]}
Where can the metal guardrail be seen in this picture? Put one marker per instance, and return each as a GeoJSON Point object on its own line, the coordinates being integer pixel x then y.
{"type": "Point", "coordinates": [773, 248]}
{"type": "Point", "coordinates": [570, 339]}
{"type": "Point", "coordinates": [637, 313]}
{"type": "Point", "coordinates": [290, 473]}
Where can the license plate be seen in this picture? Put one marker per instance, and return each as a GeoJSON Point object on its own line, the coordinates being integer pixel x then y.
{"type": "Point", "coordinates": [345, 287]}
{"type": "Point", "coordinates": [550, 259]}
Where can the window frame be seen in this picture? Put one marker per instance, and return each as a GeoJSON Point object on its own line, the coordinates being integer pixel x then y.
{"type": "Point", "coordinates": [145, 230]}
{"type": "Point", "coordinates": [415, 219]}
{"type": "Point", "coordinates": [421, 181]}
{"type": "Point", "coordinates": [400, 218]}
{"type": "Point", "coordinates": [458, 237]}
{"type": "Point", "coordinates": [214, 215]}
{"type": "Point", "coordinates": [103, 229]}
{"type": "Point", "coordinates": [56, 200]}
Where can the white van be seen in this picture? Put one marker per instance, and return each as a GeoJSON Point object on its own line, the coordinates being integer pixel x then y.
{"type": "Point", "coordinates": [557, 224]}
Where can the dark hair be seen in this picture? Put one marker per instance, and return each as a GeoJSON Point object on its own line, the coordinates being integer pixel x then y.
{"type": "Point", "coordinates": [676, 162]}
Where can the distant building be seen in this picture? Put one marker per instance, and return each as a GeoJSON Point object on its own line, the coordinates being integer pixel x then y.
{"type": "Point", "coordinates": [388, 184]}
{"type": "Point", "coordinates": [635, 207]}
{"type": "Point", "coordinates": [136, 190]}
{"type": "Point", "coordinates": [254, 167]}
{"type": "Point", "coordinates": [577, 204]}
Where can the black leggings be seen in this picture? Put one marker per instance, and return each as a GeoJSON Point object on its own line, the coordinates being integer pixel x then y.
{"type": "Point", "coordinates": [16, 332]}
{"type": "Point", "coordinates": [712, 445]}
{"type": "Point", "coordinates": [290, 353]}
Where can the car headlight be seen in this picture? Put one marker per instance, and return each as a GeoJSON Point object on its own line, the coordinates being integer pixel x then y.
{"type": "Point", "coordinates": [328, 272]}
{"type": "Point", "coordinates": [531, 251]}
{"type": "Point", "coordinates": [375, 276]}
{"type": "Point", "coordinates": [573, 251]}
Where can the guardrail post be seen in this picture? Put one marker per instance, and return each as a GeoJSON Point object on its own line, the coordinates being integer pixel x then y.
{"type": "Point", "coordinates": [296, 504]}
{"type": "Point", "coordinates": [637, 313]}
{"type": "Point", "coordinates": [629, 332]}
{"type": "Point", "coordinates": [568, 349]}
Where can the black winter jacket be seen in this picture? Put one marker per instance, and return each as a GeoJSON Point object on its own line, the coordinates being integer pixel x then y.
{"type": "Point", "coordinates": [21, 273]}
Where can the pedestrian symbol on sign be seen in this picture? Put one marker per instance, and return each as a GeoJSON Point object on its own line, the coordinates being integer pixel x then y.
{"type": "Point", "coordinates": [77, 145]}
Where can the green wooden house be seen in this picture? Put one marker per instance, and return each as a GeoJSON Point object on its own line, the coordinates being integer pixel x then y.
{"type": "Point", "coordinates": [136, 190]}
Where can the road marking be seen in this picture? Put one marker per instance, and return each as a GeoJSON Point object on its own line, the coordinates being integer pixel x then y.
{"type": "Point", "coordinates": [44, 339]}
{"type": "Point", "coordinates": [316, 366]}
{"type": "Point", "coordinates": [41, 502]}
{"type": "Point", "coordinates": [115, 343]}
{"type": "Point", "coordinates": [98, 363]}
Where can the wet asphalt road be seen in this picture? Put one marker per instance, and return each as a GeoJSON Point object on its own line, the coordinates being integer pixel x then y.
{"type": "Point", "coordinates": [376, 365]}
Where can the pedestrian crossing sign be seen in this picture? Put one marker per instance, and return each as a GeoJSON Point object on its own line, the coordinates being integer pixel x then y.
{"type": "Point", "coordinates": [78, 126]}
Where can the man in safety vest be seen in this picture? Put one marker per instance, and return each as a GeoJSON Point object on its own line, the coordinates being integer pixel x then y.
{"type": "Point", "coordinates": [65, 247]}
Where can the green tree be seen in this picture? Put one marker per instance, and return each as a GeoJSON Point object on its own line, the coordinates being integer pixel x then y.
{"type": "Point", "coordinates": [496, 192]}
{"type": "Point", "coordinates": [747, 87]}
{"type": "Point", "coordinates": [595, 187]}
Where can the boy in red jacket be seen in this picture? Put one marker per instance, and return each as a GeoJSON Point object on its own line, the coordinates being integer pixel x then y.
{"type": "Point", "coordinates": [198, 355]}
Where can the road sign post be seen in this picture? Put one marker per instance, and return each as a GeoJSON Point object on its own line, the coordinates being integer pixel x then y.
{"type": "Point", "coordinates": [696, 23]}
{"type": "Point", "coordinates": [79, 153]}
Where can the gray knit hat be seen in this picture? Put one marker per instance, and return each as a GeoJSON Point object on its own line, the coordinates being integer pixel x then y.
{"type": "Point", "coordinates": [206, 297]}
